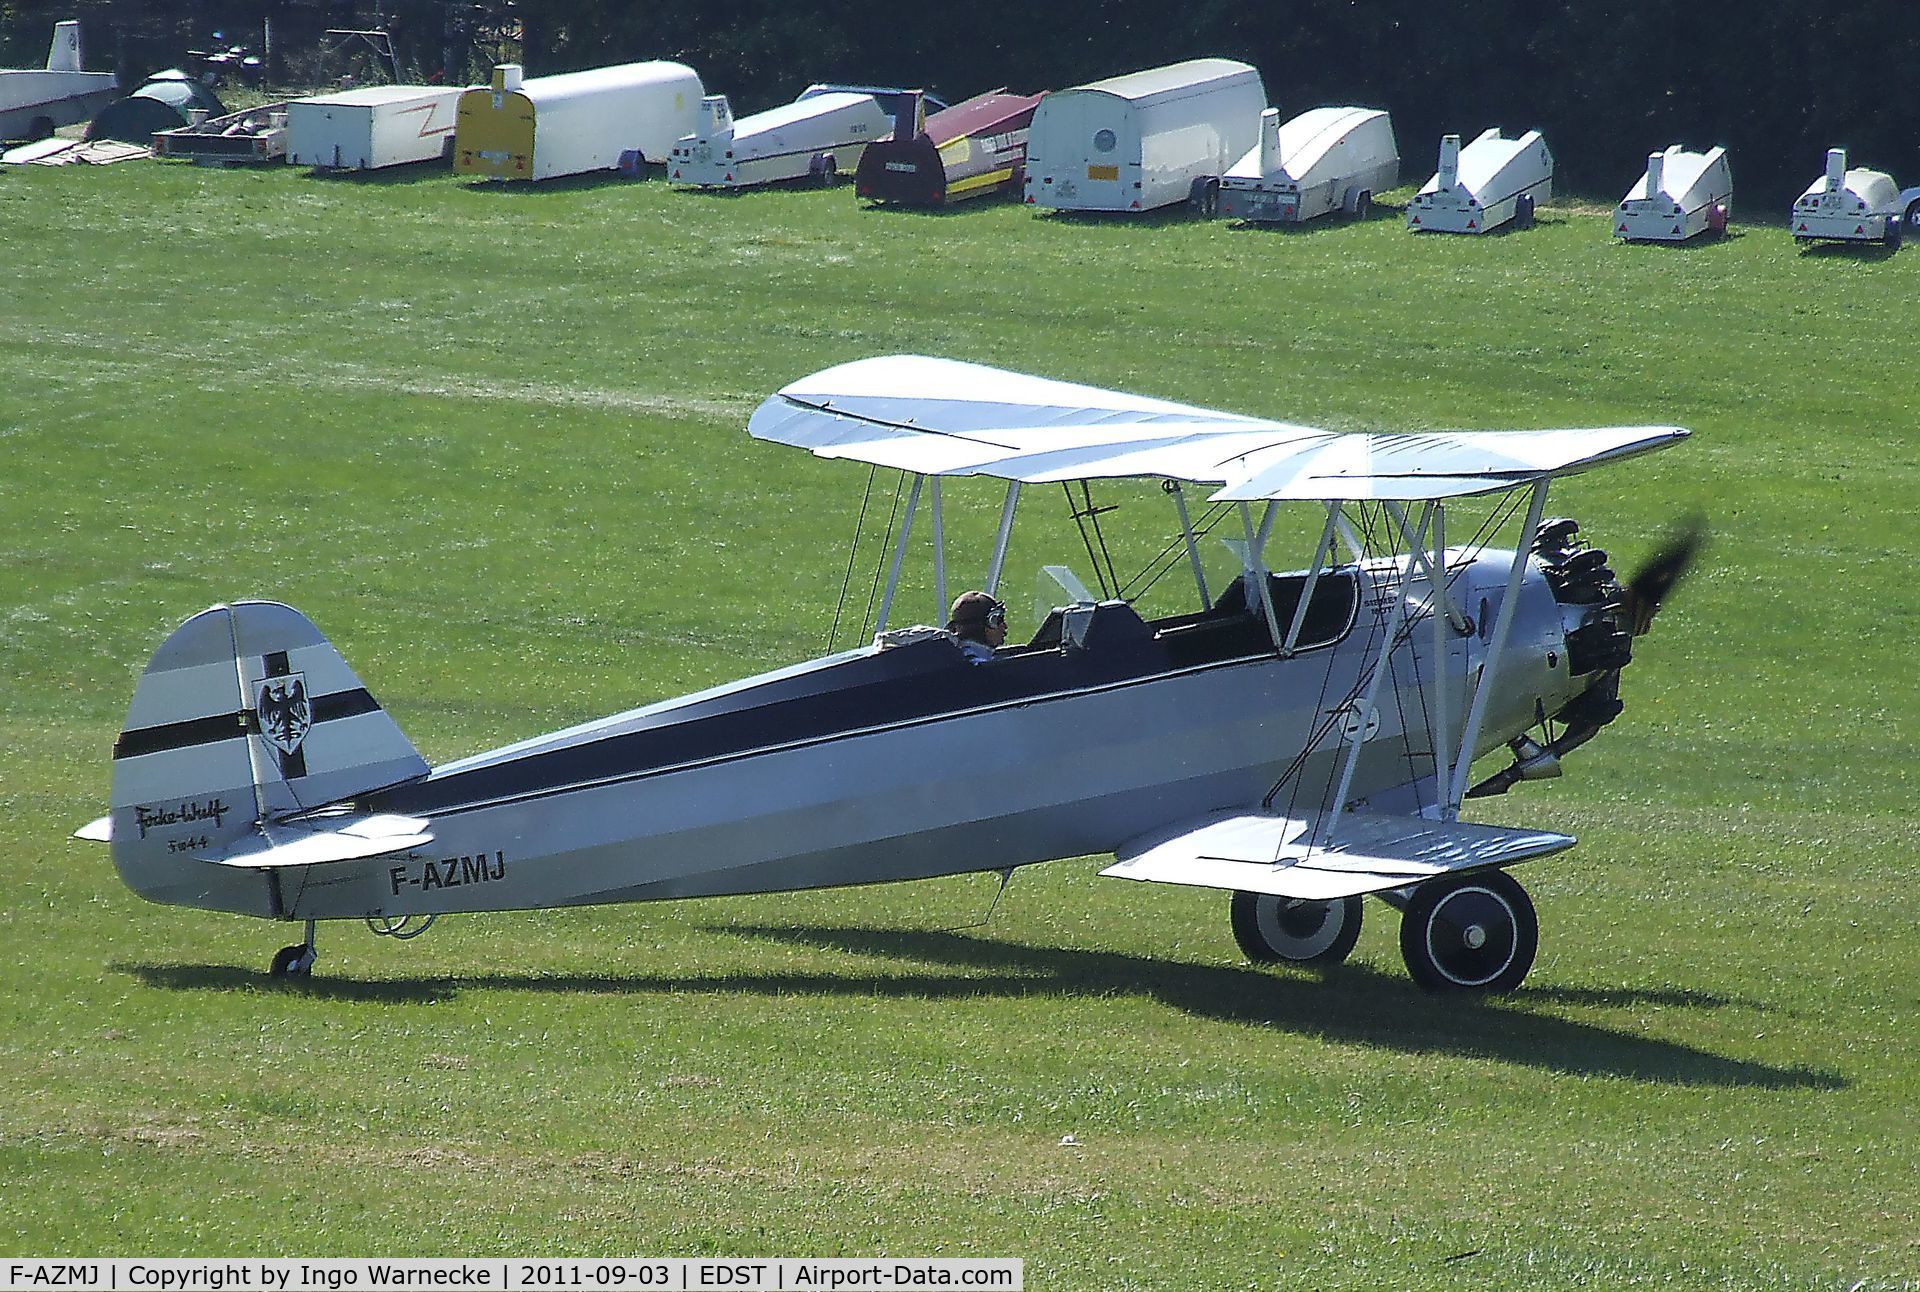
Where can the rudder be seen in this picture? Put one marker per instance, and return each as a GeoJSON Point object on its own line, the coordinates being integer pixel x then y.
{"type": "Point", "coordinates": [245, 714]}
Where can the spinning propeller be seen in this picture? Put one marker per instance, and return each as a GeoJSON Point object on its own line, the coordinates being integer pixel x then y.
{"type": "Point", "coordinates": [1655, 581]}
{"type": "Point", "coordinates": [1601, 642]}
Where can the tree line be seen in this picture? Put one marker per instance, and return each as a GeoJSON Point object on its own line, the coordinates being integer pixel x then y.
{"type": "Point", "coordinates": [1606, 82]}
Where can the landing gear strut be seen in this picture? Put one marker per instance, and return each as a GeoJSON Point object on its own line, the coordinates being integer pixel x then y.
{"type": "Point", "coordinates": [296, 961]}
{"type": "Point", "coordinates": [1469, 933]}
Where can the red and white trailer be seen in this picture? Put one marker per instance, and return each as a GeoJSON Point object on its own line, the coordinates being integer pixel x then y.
{"type": "Point", "coordinates": [1681, 195]}
{"type": "Point", "coordinates": [1849, 205]}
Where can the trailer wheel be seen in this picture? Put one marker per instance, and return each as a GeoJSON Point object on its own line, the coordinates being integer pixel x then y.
{"type": "Point", "coordinates": [40, 128]}
{"type": "Point", "coordinates": [1717, 220]}
{"type": "Point", "coordinates": [1523, 212]}
{"type": "Point", "coordinates": [1913, 217]}
{"type": "Point", "coordinates": [826, 171]}
{"type": "Point", "coordinates": [1205, 197]}
{"type": "Point", "coordinates": [1892, 236]}
{"type": "Point", "coordinates": [1363, 206]}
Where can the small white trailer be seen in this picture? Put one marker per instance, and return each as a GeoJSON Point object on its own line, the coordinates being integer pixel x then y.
{"type": "Point", "coordinates": [1843, 205]}
{"type": "Point", "coordinates": [1682, 195]}
{"type": "Point", "coordinates": [371, 127]}
{"type": "Point", "coordinates": [818, 136]}
{"type": "Point", "coordinates": [1486, 184]}
{"type": "Point", "coordinates": [547, 126]}
{"type": "Point", "coordinates": [1323, 160]}
{"type": "Point", "coordinates": [1145, 140]}
{"type": "Point", "coordinates": [36, 101]}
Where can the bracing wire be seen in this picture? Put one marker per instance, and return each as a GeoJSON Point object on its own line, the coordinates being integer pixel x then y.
{"type": "Point", "coordinates": [1168, 558]}
{"type": "Point", "coordinates": [886, 541]}
{"type": "Point", "coordinates": [1093, 516]}
{"type": "Point", "coordinates": [853, 553]}
{"type": "Point", "coordinates": [1080, 521]}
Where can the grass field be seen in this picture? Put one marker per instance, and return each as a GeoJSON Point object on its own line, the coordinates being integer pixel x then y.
{"type": "Point", "coordinates": [492, 442]}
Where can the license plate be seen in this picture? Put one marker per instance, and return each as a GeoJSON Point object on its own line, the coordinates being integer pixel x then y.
{"type": "Point", "coordinates": [1103, 172]}
{"type": "Point", "coordinates": [1262, 206]}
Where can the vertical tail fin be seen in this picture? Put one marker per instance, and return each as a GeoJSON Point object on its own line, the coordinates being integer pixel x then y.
{"type": "Point", "coordinates": [64, 54]}
{"type": "Point", "coordinates": [245, 714]}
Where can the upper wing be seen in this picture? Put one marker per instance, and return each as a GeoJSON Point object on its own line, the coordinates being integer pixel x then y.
{"type": "Point", "coordinates": [1365, 853]}
{"type": "Point", "coordinates": [943, 417]}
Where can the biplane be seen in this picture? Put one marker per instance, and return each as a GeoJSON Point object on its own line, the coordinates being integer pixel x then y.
{"type": "Point", "coordinates": [1299, 739]}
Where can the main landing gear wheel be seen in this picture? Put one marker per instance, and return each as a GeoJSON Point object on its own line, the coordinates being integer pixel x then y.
{"type": "Point", "coordinates": [1280, 930]}
{"type": "Point", "coordinates": [1469, 933]}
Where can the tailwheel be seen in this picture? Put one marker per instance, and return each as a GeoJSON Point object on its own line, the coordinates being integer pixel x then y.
{"type": "Point", "coordinates": [292, 962]}
{"type": "Point", "coordinates": [1469, 933]}
{"type": "Point", "coordinates": [1273, 930]}
{"type": "Point", "coordinates": [296, 961]}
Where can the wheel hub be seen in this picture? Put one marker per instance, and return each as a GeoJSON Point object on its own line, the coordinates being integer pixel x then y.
{"type": "Point", "coordinates": [1472, 937]}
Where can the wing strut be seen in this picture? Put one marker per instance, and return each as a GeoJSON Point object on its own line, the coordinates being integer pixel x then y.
{"type": "Point", "coordinates": [939, 553]}
{"type": "Point", "coordinates": [1000, 539]}
{"type": "Point", "coordinates": [1359, 734]}
{"type": "Point", "coordinates": [1434, 565]}
{"type": "Point", "coordinates": [1193, 546]}
{"type": "Point", "coordinates": [1320, 554]}
{"type": "Point", "coordinates": [1442, 773]}
{"type": "Point", "coordinates": [1257, 566]}
{"type": "Point", "coordinates": [899, 554]}
{"type": "Point", "coordinates": [1489, 671]}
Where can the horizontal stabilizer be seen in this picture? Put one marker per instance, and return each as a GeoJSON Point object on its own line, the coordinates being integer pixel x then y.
{"type": "Point", "coordinates": [1362, 852]}
{"type": "Point", "coordinates": [98, 830]}
{"type": "Point", "coordinates": [326, 839]}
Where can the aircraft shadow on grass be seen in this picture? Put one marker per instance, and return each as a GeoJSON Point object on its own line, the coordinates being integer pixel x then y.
{"type": "Point", "coordinates": [1355, 1005]}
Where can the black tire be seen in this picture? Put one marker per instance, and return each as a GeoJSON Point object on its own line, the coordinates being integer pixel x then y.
{"type": "Point", "coordinates": [1206, 199]}
{"type": "Point", "coordinates": [1913, 218]}
{"type": "Point", "coordinates": [1892, 236]}
{"type": "Point", "coordinates": [1523, 212]}
{"type": "Point", "coordinates": [1277, 930]}
{"type": "Point", "coordinates": [1469, 934]}
{"type": "Point", "coordinates": [291, 962]}
{"type": "Point", "coordinates": [40, 128]}
{"type": "Point", "coordinates": [826, 172]}
{"type": "Point", "coordinates": [1363, 207]}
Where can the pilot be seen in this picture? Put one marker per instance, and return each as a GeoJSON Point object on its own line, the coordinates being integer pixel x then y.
{"type": "Point", "coordinates": [979, 622]}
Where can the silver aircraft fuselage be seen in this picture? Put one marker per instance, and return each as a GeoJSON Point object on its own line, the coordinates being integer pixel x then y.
{"type": "Point", "coordinates": [906, 762]}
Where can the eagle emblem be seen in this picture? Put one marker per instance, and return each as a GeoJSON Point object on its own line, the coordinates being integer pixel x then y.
{"type": "Point", "coordinates": [284, 712]}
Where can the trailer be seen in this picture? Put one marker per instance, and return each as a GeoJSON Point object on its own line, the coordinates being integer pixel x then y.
{"type": "Point", "coordinates": [817, 137]}
{"type": "Point", "coordinates": [240, 138]}
{"type": "Point", "coordinates": [543, 127]}
{"type": "Point", "coordinates": [372, 127]}
{"type": "Point", "coordinates": [1323, 160]}
{"type": "Point", "coordinates": [1144, 140]}
{"type": "Point", "coordinates": [36, 101]}
{"type": "Point", "coordinates": [1682, 195]}
{"type": "Point", "coordinates": [1856, 205]}
{"type": "Point", "coordinates": [1491, 181]}
{"type": "Point", "coordinates": [971, 149]}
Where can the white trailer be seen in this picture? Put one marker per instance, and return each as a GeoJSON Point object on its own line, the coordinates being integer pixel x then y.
{"type": "Point", "coordinates": [1681, 195]}
{"type": "Point", "coordinates": [1324, 160]}
{"type": "Point", "coordinates": [1144, 140]}
{"type": "Point", "coordinates": [1845, 205]}
{"type": "Point", "coordinates": [1486, 184]}
{"type": "Point", "coordinates": [548, 126]}
{"type": "Point", "coordinates": [819, 136]}
{"type": "Point", "coordinates": [371, 127]}
{"type": "Point", "coordinates": [36, 101]}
